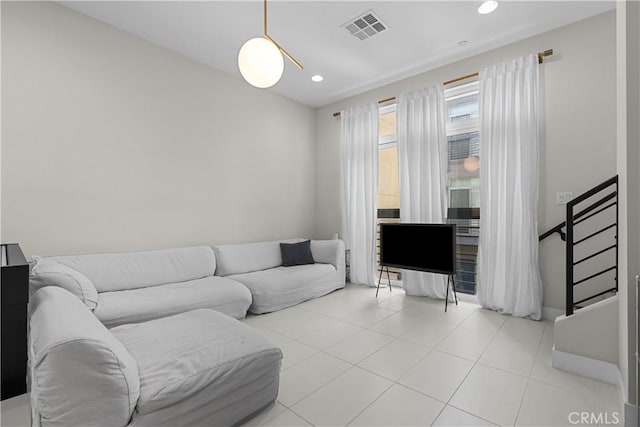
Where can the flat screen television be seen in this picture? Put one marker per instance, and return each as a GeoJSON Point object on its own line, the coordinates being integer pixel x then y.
{"type": "Point", "coordinates": [422, 247]}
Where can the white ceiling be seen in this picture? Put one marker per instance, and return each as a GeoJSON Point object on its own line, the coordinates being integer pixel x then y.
{"type": "Point", "coordinates": [422, 35]}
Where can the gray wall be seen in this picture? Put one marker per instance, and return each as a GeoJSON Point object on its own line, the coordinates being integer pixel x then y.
{"type": "Point", "coordinates": [578, 127]}
{"type": "Point", "coordinates": [110, 143]}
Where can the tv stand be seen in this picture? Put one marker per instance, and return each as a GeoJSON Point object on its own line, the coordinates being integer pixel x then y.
{"type": "Point", "coordinates": [450, 280]}
{"type": "Point", "coordinates": [380, 279]}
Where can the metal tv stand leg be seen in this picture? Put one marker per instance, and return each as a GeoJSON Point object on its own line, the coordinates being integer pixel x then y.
{"type": "Point", "coordinates": [453, 287]}
{"type": "Point", "coordinates": [380, 279]}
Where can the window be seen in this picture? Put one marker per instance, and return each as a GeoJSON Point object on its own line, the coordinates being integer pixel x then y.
{"type": "Point", "coordinates": [463, 146]}
{"type": "Point", "coordinates": [462, 106]}
{"type": "Point", "coordinates": [463, 140]}
{"type": "Point", "coordinates": [388, 180]}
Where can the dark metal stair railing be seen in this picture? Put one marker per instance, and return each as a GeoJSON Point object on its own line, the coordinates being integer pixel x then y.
{"type": "Point", "coordinates": [568, 236]}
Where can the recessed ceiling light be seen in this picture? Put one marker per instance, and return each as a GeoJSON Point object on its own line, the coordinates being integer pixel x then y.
{"type": "Point", "coordinates": [487, 7]}
{"type": "Point", "coordinates": [462, 43]}
{"type": "Point", "coordinates": [317, 78]}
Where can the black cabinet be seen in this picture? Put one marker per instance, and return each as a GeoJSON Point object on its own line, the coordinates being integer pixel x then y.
{"type": "Point", "coordinates": [14, 295]}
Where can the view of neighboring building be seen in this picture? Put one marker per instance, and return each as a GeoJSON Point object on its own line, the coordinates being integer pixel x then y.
{"type": "Point", "coordinates": [464, 178]}
{"type": "Point", "coordinates": [388, 179]}
{"type": "Point", "coordinates": [463, 171]}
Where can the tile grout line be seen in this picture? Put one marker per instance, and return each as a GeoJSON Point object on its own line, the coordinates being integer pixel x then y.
{"type": "Point", "coordinates": [526, 388]}
{"type": "Point", "coordinates": [297, 414]}
{"type": "Point", "coordinates": [431, 349]}
{"type": "Point", "coordinates": [557, 386]}
{"type": "Point", "coordinates": [466, 411]}
{"type": "Point", "coordinates": [475, 363]}
{"type": "Point", "coordinates": [393, 338]}
{"type": "Point", "coordinates": [393, 382]}
{"type": "Point", "coordinates": [372, 402]}
{"type": "Point", "coordinates": [323, 350]}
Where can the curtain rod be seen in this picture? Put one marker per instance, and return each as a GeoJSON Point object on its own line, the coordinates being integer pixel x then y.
{"type": "Point", "coordinates": [541, 56]}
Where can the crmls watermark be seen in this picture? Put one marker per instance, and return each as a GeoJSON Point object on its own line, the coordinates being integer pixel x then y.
{"type": "Point", "coordinates": [594, 418]}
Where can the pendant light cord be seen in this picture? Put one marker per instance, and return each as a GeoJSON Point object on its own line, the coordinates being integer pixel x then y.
{"type": "Point", "coordinates": [268, 37]}
{"type": "Point", "coordinates": [265, 18]}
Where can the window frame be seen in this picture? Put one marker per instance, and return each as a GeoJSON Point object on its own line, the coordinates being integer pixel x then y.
{"type": "Point", "coordinates": [390, 140]}
{"type": "Point", "coordinates": [458, 92]}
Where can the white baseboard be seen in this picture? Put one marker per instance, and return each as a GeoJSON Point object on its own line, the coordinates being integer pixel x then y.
{"type": "Point", "coordinates": [597, 370]}
{"type": "Point", "coordinates": [587, 367]}
{"type": "Point", "coordinates": [472, 299]}
{"type": "Point", "coordinates": [550, 313]}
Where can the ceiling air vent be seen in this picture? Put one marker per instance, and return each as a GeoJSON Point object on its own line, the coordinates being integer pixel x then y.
{"type": "Point", "coordinates": [365, 26]}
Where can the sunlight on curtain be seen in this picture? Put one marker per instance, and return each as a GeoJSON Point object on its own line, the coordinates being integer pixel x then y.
{"type": "Point", "coordinates": [359, 147]}
{"type": "Point", "coordinates": [508, 273]}
{"type": "Point", "coordinates": [422, 158]}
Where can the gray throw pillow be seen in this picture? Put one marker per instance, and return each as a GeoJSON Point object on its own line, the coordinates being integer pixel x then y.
{"type": "Point", "coordinates": [296, 253]}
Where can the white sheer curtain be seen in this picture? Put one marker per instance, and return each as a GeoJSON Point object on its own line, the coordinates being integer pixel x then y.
{"type": "Point", "coordinates": [508, 273]}
{"type": "Point", "coordinates": [359, 147]}
{"type": "Point", "coordinates": [422, 166]}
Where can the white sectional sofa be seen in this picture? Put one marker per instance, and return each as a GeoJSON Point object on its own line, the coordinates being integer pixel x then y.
{"type": "Point", "coordinates": [198, 368]}
{"type": "Point", "coordinates": [173, 354]}
{"type": "Point", "coordinates": [273, 287]}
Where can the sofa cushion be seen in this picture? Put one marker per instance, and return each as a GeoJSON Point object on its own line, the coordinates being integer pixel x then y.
{"type": "Point", "coordinates": [139, 305]}
{"type": "Point", "coordinates": [296, 253]}
{"type": "Point", "coordinates": [121, 271]}
{"type": "Point", "coordinates": [200, 361]}
{"type": "Point", "coordinates": [248, 257]}
{"type": "Point", "coordinates": [81, 375]}
{"type": "Point", "coordinates": [46, 272]}
{"type": "Point", "coordinates": [281, 287]}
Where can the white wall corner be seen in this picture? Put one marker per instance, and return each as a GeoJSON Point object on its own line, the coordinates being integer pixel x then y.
{"type": "Point", "coordinates": [598, 370]}
{"type": "Point", "coordinates": [550, 313]}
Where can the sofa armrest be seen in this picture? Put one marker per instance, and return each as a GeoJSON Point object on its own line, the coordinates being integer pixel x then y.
{"type": "Point", "coordinates": [50, 273]}
{"type": "Point", "coordinates": [330, 252]}
{"type": "Point", "coordinates": [80, 373]}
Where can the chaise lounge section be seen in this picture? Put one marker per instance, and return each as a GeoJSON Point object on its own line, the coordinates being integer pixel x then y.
{"type": "Point", "coordinates": [195, 368]}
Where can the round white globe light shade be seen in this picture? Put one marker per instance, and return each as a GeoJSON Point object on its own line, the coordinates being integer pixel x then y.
{"type": "Point", "coordinates": [260, 62]}
{"type": "Point", "coordinates": [487, 7]}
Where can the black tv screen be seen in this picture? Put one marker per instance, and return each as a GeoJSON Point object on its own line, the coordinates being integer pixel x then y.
{"type": "Point", "coordinates": [422, 247]}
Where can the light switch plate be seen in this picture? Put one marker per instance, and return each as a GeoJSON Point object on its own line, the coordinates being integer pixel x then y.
{"type": "Point", "coordinates": [563, 197]}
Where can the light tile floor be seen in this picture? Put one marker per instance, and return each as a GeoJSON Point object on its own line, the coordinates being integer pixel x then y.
{"type": "Point", "coordinates": [352, 359]}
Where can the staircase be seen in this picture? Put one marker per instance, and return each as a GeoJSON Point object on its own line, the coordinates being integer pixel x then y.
{"type": "Point", "coordinates": [583, 340]}
{"type": "Point", "coordinates": [591, 236]}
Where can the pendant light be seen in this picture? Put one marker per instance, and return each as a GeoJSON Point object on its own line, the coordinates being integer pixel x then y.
{"type": "Point", "coordinates": [260, 59]}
